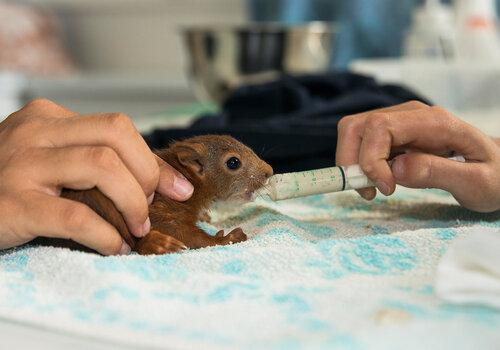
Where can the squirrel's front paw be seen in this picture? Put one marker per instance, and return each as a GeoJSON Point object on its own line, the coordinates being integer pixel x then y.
{"type": "Point", "coordinates": [235, 236]}
{"type": "Point", "coordinates": [158, 243]}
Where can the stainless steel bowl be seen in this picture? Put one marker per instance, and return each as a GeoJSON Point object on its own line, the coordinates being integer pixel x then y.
{"type": "Point", "coordinates": [221, 58]}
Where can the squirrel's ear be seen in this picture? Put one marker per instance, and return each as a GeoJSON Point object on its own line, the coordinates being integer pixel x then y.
{"type": "Point", "coordinates": [191, 155]}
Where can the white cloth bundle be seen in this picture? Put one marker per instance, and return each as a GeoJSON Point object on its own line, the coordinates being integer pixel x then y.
{"type": "Point", "coordinates": [469, 272]}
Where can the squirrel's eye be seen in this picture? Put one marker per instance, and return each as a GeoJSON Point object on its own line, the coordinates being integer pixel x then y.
{"type": "Point", "coordinates": [233, 163]}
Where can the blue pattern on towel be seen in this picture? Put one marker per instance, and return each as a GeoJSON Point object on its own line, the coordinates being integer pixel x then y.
{"type": "Point", "coordinates": [329, 271]}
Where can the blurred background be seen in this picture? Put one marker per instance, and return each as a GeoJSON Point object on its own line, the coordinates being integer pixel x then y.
{"type": "Point", "coordinates": [163, 61]}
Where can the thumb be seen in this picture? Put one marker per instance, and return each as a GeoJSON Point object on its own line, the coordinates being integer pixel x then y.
{"type": "Point", "coordinates": [172, 183]}
{"type": "Point", "coordinates": [421, 170]}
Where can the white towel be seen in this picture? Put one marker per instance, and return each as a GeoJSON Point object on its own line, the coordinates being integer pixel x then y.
{"type": "Point", "coordinates": [322, 272]}
{"type": "Point", "coordinates": [469, 272]}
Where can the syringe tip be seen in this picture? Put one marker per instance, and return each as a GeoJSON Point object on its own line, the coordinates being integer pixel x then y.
{"type": "Point", "coordinates": [263, 193]}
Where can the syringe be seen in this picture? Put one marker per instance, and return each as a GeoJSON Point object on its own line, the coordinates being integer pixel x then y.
{"type": "Point", "coordinates": [306, 183]}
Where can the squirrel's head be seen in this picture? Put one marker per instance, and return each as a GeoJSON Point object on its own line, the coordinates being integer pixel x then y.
{"type": "Point", "coordinates": [231, 169]}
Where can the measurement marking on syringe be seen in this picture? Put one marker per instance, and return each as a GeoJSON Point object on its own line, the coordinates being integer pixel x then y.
{"type": "Point", "coordinates": [343, 177]}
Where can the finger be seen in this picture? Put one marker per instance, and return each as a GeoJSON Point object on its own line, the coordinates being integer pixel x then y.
{"type": "Point", "coordinates": [420, 170]}
{"type": "Point", "coordinates": [350, 132]}
{"type": "Point", "coordinates": [172, 183]}
{"type": "Point", "coordinates": [463, 180]}
{"type": "Point", "coordinates": [88, 167]}
{"type": "Point", "coordinates": [432, 130]}
{"type": "Point", "coordinates": [114, 130]}
{"type": "Point", "coordinates": [34, 118]}
{"type": "Point", "coordinates": [47, 108]}
{"type": "Point", "coordinates": [406, 106]}
{"type": "Point", "coordinates": [348, 145]}
{"type": "Point", "coordinates": [56, 217]}
{"type": "Point", "coordinates": [374, 152]}
{"type": "Point", "coordinates": [151, 198]}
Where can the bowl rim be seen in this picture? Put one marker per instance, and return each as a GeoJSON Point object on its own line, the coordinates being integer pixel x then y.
{"type": "Point", "coordinates": [263, 27]}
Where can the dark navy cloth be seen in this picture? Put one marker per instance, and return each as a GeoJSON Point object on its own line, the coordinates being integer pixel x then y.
{"type": "Point", "coordinates": [292, 122]}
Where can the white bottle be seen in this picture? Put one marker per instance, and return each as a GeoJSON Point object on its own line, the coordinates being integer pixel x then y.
{"type": "Point", "coordinates": [477, 33]}
{"type": "Point", "coordinates": [432, 33]}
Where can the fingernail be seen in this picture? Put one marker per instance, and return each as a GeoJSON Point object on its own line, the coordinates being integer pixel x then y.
{"type": "Point", "coordinates": [146, 227]}
{"type": "Point", "coordinates": [398, 168]}
{"type": "Point", "coordinates": [383, 187]}
{"type": "Point", "coordinates": [125, 249]}
{"type": "Point", "coordinates": [150, 198]}
{"type": "Point", "coordinates": [367, 195]}
{"type": "Point", "coordinates": [182, 187]}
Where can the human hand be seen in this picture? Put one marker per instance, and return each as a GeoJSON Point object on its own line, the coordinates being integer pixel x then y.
{"type": "Point", "coordinates": [45, 147]}
{"type": "Point", "coordinates": [497, 140]}
{"type": "Point", "coordinates": [428, 135]}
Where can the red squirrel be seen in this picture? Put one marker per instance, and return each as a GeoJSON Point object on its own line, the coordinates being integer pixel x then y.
{"type": "Point", "coordinates": [220, 169]}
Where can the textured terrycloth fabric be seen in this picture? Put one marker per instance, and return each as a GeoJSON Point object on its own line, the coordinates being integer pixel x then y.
{"type": "Point", "coordinates": [330, 271]}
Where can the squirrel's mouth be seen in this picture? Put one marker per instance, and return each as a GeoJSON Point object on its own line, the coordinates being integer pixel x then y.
{"type": "Point", "coordinates": [248, 196]}
{"type": "Point", "coordinates": [254, 191]}
{"type": "Point", "coordinates": [248, 193]}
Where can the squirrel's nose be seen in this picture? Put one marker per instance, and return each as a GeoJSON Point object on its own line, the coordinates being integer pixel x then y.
{"type": "Point", "coordinates": [268, 171]}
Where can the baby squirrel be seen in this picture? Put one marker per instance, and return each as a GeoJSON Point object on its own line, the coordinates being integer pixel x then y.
{"type": "Point", "coordinates": [220, 169]}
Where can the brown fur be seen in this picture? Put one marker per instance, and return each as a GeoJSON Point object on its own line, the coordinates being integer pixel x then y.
{"type": "Point", "coordinates": [202, 160]}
